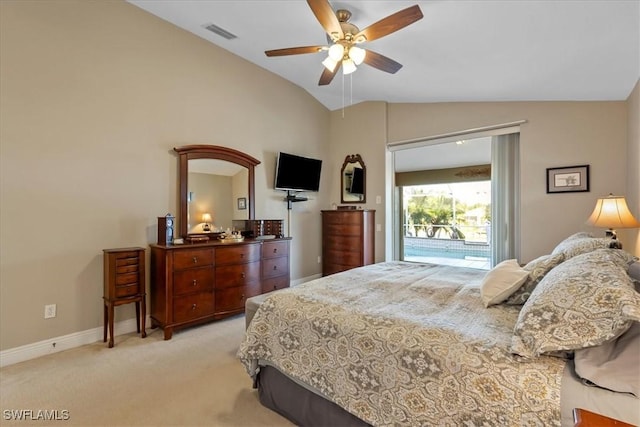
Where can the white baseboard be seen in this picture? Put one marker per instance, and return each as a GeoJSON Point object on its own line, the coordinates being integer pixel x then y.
{"type": "Point", "coordinates": [65, 342]}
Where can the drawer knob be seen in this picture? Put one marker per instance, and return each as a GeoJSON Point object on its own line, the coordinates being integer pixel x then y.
{"type": "Point", "coordinates": [275, 250]}
{"type": "Point", "coordinates": [275, 287]}
{"type": "Point", "coordinates": [275, 267]}
{"type": "Point", "coordinates": [241, 255]}
{"type": "Point", "coordinates": [195, 259]}
{"type": "Point", "coordinates": [242, 274]}
{"type": "Point", "coordinates": [195, 282]}
{"type": "Point", "coordinates": [242, 296]}
{"type": "Point", "coordinates": [193, 307]}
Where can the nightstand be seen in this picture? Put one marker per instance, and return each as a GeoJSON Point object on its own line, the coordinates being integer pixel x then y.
{"type": "Point", "coordinates": [584, 418]}
{"type": "Point", "coordinates": [124, 283]}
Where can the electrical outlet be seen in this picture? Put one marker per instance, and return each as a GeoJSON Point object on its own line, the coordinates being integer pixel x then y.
{"type": "Point", "coordinates": [49, 311]}
{"type": "Point", "coordinates": [319, 259]}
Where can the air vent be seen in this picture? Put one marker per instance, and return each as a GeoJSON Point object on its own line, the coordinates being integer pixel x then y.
{"type": "Point", "coordinates": [220, 31]}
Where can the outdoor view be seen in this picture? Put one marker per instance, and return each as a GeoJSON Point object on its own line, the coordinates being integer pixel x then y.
{"type": "Point", "coordinates": [448, 221]}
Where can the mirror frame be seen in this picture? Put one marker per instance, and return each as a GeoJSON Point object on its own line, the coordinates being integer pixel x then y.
{"type": "Point", "coordinates": [189, 152]}
{"type": "Point", "coordinates": [353, 158]}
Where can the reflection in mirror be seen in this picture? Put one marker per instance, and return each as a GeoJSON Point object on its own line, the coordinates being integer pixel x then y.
{"type": "Point", "coordinates": [213, 179]}
{"type": "Point", "coordinates": [353, 180]}
{"type": "Point", "coordinates": [214, 186]}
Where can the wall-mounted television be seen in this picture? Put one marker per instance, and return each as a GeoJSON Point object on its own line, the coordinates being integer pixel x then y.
{"type": "Point", "coordinates": [357, 182]}
{"type": "Point", "coordinates": [297, 173]}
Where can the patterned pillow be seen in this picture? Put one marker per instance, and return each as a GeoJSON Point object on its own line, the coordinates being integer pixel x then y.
{"type": "Point", "coordinates": [578, 244]}
{"type": "Point", "coordinates": [537, 269]}
{"type": "Point", "coordinates": [583, 302]}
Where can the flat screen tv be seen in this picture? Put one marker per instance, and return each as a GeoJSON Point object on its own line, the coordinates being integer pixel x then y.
{"type": "Point", "coordinates": [297, 173]}
{"type": "Point", "coordinates": [357, 182]}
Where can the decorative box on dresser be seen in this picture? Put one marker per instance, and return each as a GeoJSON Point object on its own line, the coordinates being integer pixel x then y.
{"type": "Point", "coordinates": [348, 237]}
{"type": "Point", "coordinates": [197, 283]}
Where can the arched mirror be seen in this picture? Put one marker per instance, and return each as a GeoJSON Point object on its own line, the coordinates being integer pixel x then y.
{"type": "Point", "coordinates": [216, 187]}
{"type": "Point", "coordinates": [353, 180]}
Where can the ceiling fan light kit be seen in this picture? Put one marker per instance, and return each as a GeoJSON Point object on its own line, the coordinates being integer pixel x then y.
{"type": "Point", "coordinates": [344, 35]}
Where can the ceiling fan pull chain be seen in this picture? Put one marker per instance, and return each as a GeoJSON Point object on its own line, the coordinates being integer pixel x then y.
{"type": "Point", "coordinates": [343, 95]}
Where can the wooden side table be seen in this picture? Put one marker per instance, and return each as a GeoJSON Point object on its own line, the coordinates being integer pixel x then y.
{"type": "Point", "coordinates": [584, 418]}
{"type": "Point", "coordinates": [124, 283]}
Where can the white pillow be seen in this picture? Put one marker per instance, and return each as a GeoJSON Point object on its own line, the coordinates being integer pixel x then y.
{"type": "Point", "coordinates": [503, 280]}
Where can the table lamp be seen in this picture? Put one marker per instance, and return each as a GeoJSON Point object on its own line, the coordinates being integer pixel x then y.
{"type": "Point", "coordinates": [612, 212]}
{"type": "Point", "coordinates": [206, 220]}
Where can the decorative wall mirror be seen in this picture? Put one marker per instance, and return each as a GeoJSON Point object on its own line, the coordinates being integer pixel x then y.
{"type": "Point", "coordinates": [216, 187]}
{"type": "Point", "coordinates": [353, 180]}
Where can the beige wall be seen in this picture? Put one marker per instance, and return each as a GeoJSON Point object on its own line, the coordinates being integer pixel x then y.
{"type": "Point", "coordinates": [555, 134]}
{"type": "Point", "coordinates": [632, 237]}
{"type": "Point", "coordinates": [95, 95]}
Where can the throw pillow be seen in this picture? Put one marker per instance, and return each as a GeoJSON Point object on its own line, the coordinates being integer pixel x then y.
{"type": "Point", "coordinates": [502, 281]}
{"type": "Point", "coordinates": [583, 302]}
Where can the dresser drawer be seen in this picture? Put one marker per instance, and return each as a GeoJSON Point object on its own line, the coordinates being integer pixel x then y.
{"type": "Point", "coordinates": [274, 267]}
{"type": "Point", "coordinates": [234, 298]}
{"type": "Point", "coordinates": [338, 218]}
{"type": "Point", "coordinates": [343, 230]}
{"type": "Point", "coordinates": [344, 257]}
{"type": "Point", "coordinates": [193, 280]}
{"type": "Point", "coordinates": [127, 257]}
{"type": "Point", "coordinates": [328, 269]}
{"type": "Point", "coordinates": [192, 258]}
{"type": "Point", "coordinates": [342, 243]}
{"type": "Point", "coordinates": [125, 291]}
{"type": "Point", "coordinates": [127, 279]}
{"type": "Point", "coordinates": [275, 249]}
{"type": "Point", "coordinates": [275, 283]}
{"type": "Point", "coordinates": [237, 275]}
{"type": "Point", "coordinates": [192, 306]}
{"type": "Point", "coordinates": [237, 254]}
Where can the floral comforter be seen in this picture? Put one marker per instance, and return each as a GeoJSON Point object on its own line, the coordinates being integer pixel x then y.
{"type": "Point", "coordinates": [405, 344]}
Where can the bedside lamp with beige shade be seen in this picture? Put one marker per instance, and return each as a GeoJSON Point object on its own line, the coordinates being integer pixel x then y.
{"type": "Point", "coordinates": [612, 212]}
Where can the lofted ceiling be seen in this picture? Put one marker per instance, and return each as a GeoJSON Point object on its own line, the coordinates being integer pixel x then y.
{"type": "Point", "coordinates": [461, 51]}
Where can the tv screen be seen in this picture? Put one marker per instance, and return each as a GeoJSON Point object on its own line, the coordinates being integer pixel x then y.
{"type": "Point", "coordinates": [357, 182]}
{"type": "Point", "coordinates": [297, 173]}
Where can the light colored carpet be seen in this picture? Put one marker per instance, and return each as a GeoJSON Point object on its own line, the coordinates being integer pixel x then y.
{"type": "Point", "coordinates": [194, 379]}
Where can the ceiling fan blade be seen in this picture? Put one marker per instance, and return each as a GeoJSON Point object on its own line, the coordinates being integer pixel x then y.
{"type": "Point", "coordinates": [381, 62]}
{"type": "Point", "coordinates": [327, 18]}
{"type": "Point", "coordinates": [391, 23]}
{"type": "Point", "coordinates": [294, 50]}
{"type": "Point", "coordinates": [327, 75]}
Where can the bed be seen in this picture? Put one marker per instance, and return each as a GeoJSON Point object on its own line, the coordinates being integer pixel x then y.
{"type": "Point", "coordinates": [400, 343]}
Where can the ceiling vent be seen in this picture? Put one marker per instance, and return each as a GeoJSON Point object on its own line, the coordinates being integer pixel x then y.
{"type": "Point", "coordinates": [220, 31]}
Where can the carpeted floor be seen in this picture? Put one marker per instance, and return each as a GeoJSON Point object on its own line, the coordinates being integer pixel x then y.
{"type": "Point", "coordinates": [194, 379]}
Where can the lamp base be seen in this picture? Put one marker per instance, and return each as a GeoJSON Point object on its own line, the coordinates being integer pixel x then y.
{"type": "Point", "coordinates": [611, 233]}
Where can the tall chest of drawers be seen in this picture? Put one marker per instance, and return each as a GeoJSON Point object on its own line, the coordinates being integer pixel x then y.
{"type": "Point", "coordinates": [197, 283]}
{"type": "Point", "coordinates": [347, 239]}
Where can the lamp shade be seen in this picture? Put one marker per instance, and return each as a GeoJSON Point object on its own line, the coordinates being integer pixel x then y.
{"type": "Point", "coordinates": [206, 218]}
{"type": "Point", "coordinates": [612, 212]}
{"type": "Point", "coordinates": [348, 66]}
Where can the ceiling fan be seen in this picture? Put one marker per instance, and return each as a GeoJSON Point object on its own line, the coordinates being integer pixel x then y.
{"type": "Point", "coordinates": [344, 36]}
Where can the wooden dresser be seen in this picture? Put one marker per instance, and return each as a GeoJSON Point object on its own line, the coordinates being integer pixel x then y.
{"type": "Point", "coordinates": [196, 283]}
{"type": "Point", "coordinates": [348, 238]}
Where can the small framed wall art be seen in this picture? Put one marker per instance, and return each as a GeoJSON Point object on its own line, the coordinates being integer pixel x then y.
{"type": "Point", "coordinates": [569, 179]}
{"type": "Point", "coordinates": [242, 203]}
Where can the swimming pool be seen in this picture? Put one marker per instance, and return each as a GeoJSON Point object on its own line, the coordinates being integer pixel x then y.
{"type": "Point", "coordinates": [444, 252]}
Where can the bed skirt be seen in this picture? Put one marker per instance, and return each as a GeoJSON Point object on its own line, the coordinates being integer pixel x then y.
{"type": "Point", "coordinates": [299, 405]}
